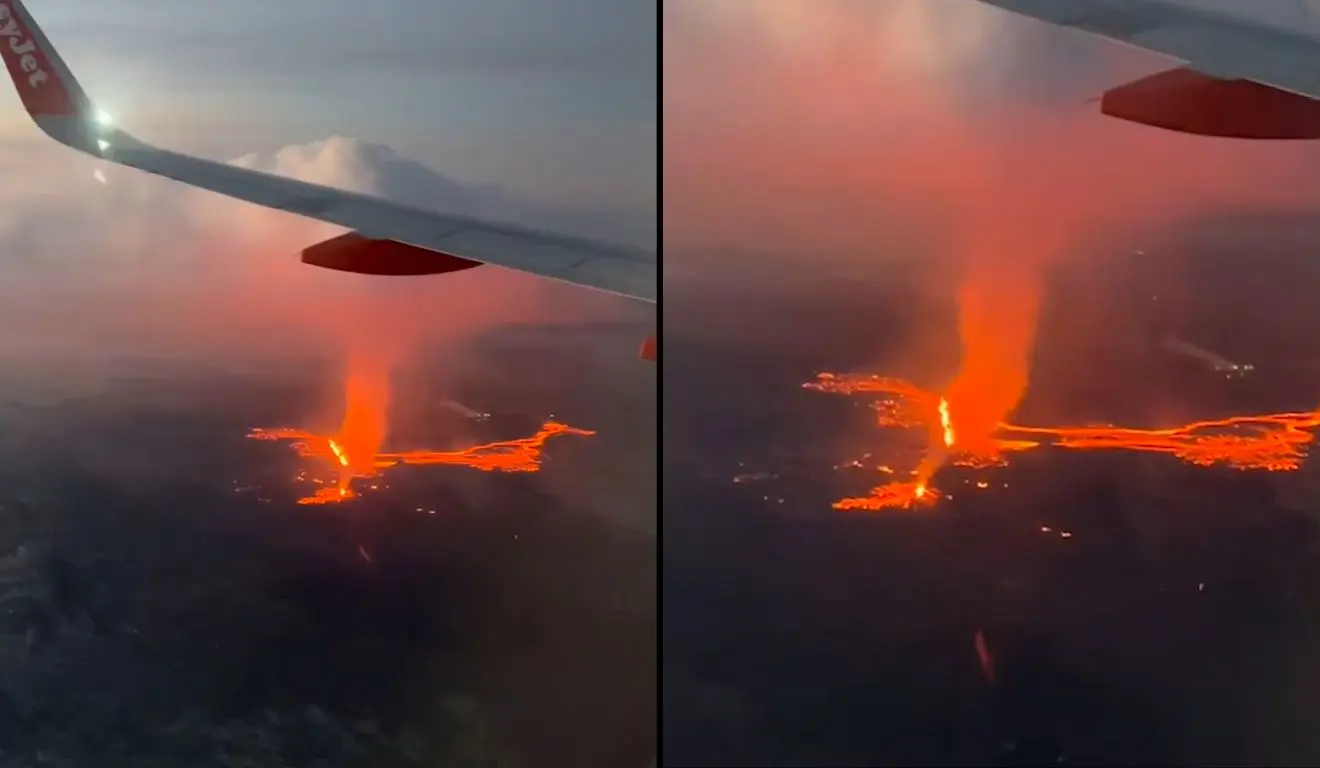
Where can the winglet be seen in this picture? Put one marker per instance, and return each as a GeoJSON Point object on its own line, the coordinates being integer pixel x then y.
{"type": "Point", "coordinates": [49, 91]}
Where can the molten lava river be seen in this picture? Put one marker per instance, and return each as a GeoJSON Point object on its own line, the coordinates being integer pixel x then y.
{"type": "Point", "coordinates": [1275, 442]}
{"type": "Point", "coordinates": [355, 452]}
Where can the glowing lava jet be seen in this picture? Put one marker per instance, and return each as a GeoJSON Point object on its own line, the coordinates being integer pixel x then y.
{"type": "Point", "coordinates": [1275, 442]}
{"type": "Point", "coordinates": [355, 451]}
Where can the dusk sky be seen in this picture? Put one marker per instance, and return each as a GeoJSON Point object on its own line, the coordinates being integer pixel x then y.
{"type": "Point", "coordinates": [542, 114]}
{"type": "Point", "coordinates": [822, 126]}
{"type": "Point", "coordinates": [546, 98]}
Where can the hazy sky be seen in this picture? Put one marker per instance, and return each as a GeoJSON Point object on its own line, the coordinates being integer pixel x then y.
{"type": "Point", "coordinates": [819, 125]}
{"type": "Point", "coordinates": [548, 97]}
{"type": "Point", "coordinates": [541, 113]}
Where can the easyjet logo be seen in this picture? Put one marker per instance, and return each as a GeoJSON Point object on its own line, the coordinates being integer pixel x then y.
{"type": "Point", "coordinates": [17, 40]}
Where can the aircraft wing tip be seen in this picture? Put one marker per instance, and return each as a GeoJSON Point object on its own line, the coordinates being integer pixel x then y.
{"type": "Point", "coordinates": [44, 83]}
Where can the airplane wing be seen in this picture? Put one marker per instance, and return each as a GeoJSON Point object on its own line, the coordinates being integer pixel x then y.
{"type": "Point", "coordinates": [1243, 79]}
{"type": "Point", "coordinates": [57, 103]}
{"type": "Point", "coordinates": [1211, 42]}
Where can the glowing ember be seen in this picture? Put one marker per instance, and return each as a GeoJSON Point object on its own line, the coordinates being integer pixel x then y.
{"type": "Point", "coordinates": [1275, 442]}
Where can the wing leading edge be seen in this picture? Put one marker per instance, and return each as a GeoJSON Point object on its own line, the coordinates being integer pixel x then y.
{"type": "Point", "coordinates": [57, 103]}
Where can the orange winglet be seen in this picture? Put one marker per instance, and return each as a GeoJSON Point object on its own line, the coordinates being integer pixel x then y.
{"type": "Point", "coordinates": [1187, 101]}
{"type": "Point", "coordinates": [650, 349]}
{"type": "Point", "coordinates": [351, 252]}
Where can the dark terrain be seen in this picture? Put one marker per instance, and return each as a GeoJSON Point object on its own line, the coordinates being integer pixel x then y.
{"type": "Point", "coordinates": [170, 605]}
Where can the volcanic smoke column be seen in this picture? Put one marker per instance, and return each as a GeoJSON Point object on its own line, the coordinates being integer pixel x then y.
{"type": "Point", "coordinates": [998, 304]}
{"type": "Point", "coordinates": [366, 409]}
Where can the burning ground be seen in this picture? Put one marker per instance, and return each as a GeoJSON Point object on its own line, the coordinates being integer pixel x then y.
{"type": "Point", "coordinates": [1274, 442]}
{"type": "Point", "coordinates": [517, 455]}
{"type": "Point", "coordinates": [355, 451]}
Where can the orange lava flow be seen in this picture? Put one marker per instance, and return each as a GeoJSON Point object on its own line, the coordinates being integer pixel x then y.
{"type": "Point", "coordinates": [518, 455]}
{"type": "Point", "coordinates": [903, 495]}
{"type": "Point", "coordinates": [355, 450]}
{"type": "Point", "coordinates": [1276, 442]}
